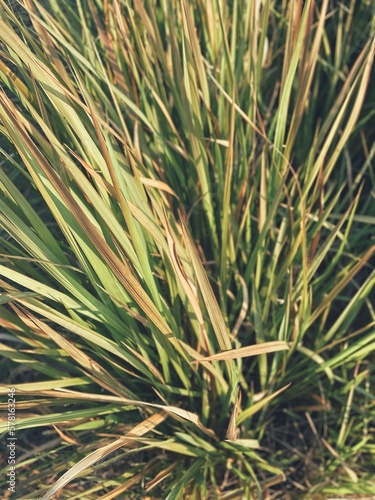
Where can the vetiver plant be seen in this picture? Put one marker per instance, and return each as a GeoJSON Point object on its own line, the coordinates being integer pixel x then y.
{"type": "Point", "coordinates": [186, 215]}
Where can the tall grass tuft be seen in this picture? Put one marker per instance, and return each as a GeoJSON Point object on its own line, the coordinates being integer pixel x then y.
{"type": "Point", "coordinates": [186, 234]}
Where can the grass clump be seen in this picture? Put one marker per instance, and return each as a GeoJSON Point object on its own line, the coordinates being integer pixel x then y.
{"type": "Point", "coordinates": [187, 200]}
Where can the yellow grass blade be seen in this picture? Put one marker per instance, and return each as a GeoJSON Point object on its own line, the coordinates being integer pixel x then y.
{"type": "Point", "coordinates": [252, 350]}
{"type": "Point", "coordinates": [215, 314]}
{"type": "Point", "coordinates": [139, 430]}
{"type": "Point", "coordinates": [251, 410]}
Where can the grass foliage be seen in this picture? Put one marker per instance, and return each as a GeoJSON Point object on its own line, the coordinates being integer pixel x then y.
{"type": "Point", "coordinates": [187, 215]}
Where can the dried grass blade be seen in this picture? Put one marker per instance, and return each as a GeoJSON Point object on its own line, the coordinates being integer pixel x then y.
{"type": "Point", "coordinates": [209, 298]}
{"type": "Point", "coordinates": [252, 350]}
{"type": "Point", "coordinates": [139, 430]}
